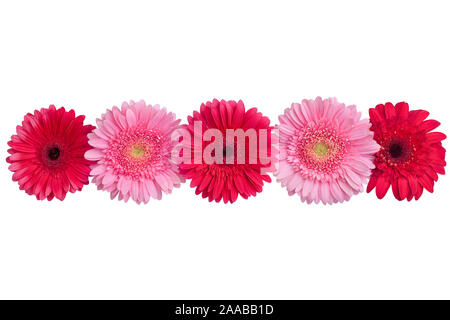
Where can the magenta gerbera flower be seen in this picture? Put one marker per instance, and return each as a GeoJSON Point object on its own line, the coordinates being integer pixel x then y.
{"type": "Point", "coordinates": [326, 151]}
{"type": "Point", "coordinates": [225, 181]}
{"type": "Point", "coordinates": [47, 153]}
{"type": "Point", "coordinates": [132, 150]}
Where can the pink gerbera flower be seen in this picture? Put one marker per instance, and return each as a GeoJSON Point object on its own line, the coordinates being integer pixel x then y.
{"type": "Point", "coordinates": [326, 151]}
{"type": "Point", "coordinates": [132, 150]}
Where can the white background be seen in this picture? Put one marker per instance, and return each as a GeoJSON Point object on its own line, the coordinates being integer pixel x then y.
{"type": "Point", "coordinates": [91, 55]}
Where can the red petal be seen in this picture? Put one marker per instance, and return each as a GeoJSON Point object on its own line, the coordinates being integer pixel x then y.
{"type": "Point", "coordinates": [215, 112]}
{"type": "Point", "coordinates": [233, 191]}
{"type": "Point", "coordinates": [372, 183]}
{"type": "Point", "coordinates": [223, 114]}
{"type": "Point", "coordinates": [205, 111]}
{"type": "Point", "coordinates": [418, 193]}
{"type": "Point", "coordinates": [426, 182]}
{"type": "Point", "coordinates": [402, 109]}
{"type": "Point", "coordinates": [15, 166]}
{"type": "Point", "coordinates": [380, 109]}
{"type": "Point", "coordinates": [217, 193]}
{"type": "Point", "coordinates": [415, 117]}
{"type": "Point", "coordinates": [413, 184]}
{"type": "Point", "coordinates": [403, 187]}
{"type": "Point", "coordinates": [22, 147]}
{"type": "Point", "coordinates": [389, 111]}
{"type": "Point", "coordinates": [196, 180]}
{"type": "Point", "coordinates": [434, 137]}
{"type": "Point", "coordinates": [29, 170]}
{"type": "Point", "coordinates": [40, 185]}
{"type": "Point", "coordinates": [19, 156]}
{"type": "Point", "coordinates": [254, 178]}
{"type": "Point", "coordinates": [252, 120]}
{"type": "Point", "coordinates": [240, 185]}
{"type": "Point", "coordinates": [438, 169]}
{"type": "Point", "coordinates": [382, 187]}
{"type": "Point", "coordinates": [429, 125]}
{"type": "Point", "coordinates": [205, 182]}
{"type": "Point", "coordinates": [431, 173]}
{"type": "Point", "coordinates": [230, 105]}
{"type": "Point", "coordinates": [57, 188]}
{"type": "Point", "coordinates": [375, 116]}
{"type": "Point", "coordinates": [395, 190]}
{"type": "Point", "coordinates": [238, 115]}
{"type": "Point", "coordinates": [226, 196]}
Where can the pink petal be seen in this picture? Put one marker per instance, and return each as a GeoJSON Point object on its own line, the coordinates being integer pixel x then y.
{"type": "Point", "coordinates": [94, 154]}
{"type": "Point", "coordinates": [131, 118]}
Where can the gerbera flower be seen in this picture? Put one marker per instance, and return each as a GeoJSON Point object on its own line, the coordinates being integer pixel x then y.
{"type": "Point", "coordinates": [326, 151]}
{"type": "Point", "coordinates": [47, 153]}
{"type": "Point", "coordinates": [132, 151]}
{"type": "Point", "coordinates": [411, 155]}
{"type": "Point", "coordinates": [226, 179]}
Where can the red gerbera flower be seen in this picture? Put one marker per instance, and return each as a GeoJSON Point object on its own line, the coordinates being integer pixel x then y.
{"type": "Point", "coordinates": [47, 153]}
{"type": "Point", "coordinates": [231, 177]}
{"type": "Point", "coordinates": [411, 155]}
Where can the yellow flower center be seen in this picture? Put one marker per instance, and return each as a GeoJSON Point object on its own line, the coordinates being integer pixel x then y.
{"type": "Point", "coordinates": [137, 151]}
{"type": "Point", "coordinates": [321, 149]}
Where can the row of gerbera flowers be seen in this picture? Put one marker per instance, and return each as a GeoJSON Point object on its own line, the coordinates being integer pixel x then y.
{"type": "Point", "coordinates": [325, 152]}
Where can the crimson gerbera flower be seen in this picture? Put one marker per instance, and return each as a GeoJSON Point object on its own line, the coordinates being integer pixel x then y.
{"type": "Point", "coordinates": [234, 175]}
{"type": "Point", "coordinates": [47, 153]}
{"type": "Point", "coordinates": [411, 155]}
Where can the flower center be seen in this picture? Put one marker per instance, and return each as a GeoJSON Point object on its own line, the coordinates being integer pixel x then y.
{"type": "Point", "coordinates": [316, 151]}
{"type": "Point", "coordinates": [321, 149]}
{"type": "Point", "coordinates": [228, 151]}
{"type": "Point", "coordinates": [137, 151]}
{"type": "Point", "coordinates": [395, 150]}
{"type": "Point", "coordinates": [54, 153]}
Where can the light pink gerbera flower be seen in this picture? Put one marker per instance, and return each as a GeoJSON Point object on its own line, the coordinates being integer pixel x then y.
{"type": "Point", "coordinates": [132, 150]}
{"type": "Point", "coordinates": [326, 151]}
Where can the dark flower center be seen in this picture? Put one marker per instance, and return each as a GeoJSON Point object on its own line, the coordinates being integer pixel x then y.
{"type": "Point", "coordinates": [54, 153]}
{"type": "Point", "coordinates": [228, 151]}
{"type": "Point", "coordinates": [396, 150]}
